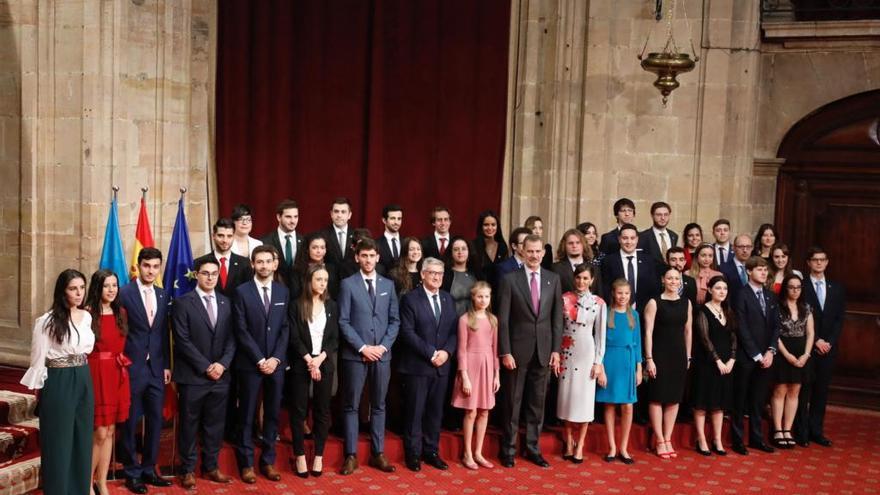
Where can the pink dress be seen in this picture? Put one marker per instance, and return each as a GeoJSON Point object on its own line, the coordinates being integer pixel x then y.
{"type": "Point", "coordinates": [478, 354]}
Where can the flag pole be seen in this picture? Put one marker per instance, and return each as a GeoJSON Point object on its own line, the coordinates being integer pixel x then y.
{"type": "Point", "coordinates": [115, 190]}
{"type": "Point", "coordinates": [144, 192]}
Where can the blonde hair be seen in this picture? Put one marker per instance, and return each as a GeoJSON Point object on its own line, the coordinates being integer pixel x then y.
{"type": "Point", "coordinates": [472, 313]}
{"type": "Point", "coordinates": [621, 282]}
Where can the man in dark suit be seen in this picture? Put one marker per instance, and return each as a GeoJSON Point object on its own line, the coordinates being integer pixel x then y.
{"type": "Point", "coordinates": [721, 232]}
{"type": "Point", "coordinates": [571, 255]}
{"type": "Point", "coordinates": [389, 242]}
{"type": "Point", "coordinates": [828, 302]}
{"type": "Point", "coordinates": [147, 346]}
{"type": "Point", "coordinates": [204, 345]}
{"type": "Point", "coordinates": [338, 236]}
{"type": "Point", "coordinates": [529, 338]}
{"type": "Point", "coordinates": [657, 240]}
{"type": "Point", "coordinates": [735, 268]}
{"type": "Point", "coordinates": [688, 289]}
{"type": "Point", "coordinates": [286, 241]}
{"type": "Point", "coordinates": [632, 265]}
{"type": "Point", "coordinates": [262, 333]}
{"type": "Point", "coordinates": [369, 323]}
{"type": "Point", "coordinates": [757, 317]}
{"type": "Point", "coordinates": [624, 213]}
{"type": "Point", "coordinates": [515, 262]}
{"type": "Point", "coordinates": [234, 269]}
{"type": "Point", "coordinates": [429, 335]}
{"type": "Point", "coordinates": [434, 246]}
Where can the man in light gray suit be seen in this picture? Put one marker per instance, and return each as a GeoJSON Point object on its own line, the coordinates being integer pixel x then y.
{"type": "Point", "coordinates": [369, 322]}
{"type": "Point", "coordinates": [529, 338]}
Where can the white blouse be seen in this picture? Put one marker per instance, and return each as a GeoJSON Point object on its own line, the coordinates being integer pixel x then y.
{"type": "Point", "coordinates": [316, 330]}
{"type": "Point", "coordinates": [43, 347]}
{"type": "Point", "coordinates": [251, 244]}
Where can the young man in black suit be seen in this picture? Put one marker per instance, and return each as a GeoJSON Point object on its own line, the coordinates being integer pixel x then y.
{"type": "Point", "coordinates": [624, 212]}
{"type": "Point", "coordinates": [234, 269]}
{"type": "Point", "coordinates": [757, 317]}
{"type": "Point", "coordinates": [657, 240]}
{"type": "Point", "coordinates": [338, 235]}
{"type": "Point", "coordinates": [435, 245]}
{"type": "Point", "coordinates": [721, 232]}
{"type": "Point", "coordinates": [633, 265]}
{"type": "Point", "coordinates": [389, 241]}
{"type": "Point", "coordinates": [286, 241]}
{"type": "Point", "coordinates": [828, 301]}
{"type": "Point", "coordinates": [204, 346]}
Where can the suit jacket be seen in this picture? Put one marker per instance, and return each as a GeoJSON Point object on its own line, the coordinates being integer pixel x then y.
{"type": "Point", "coordinates": [508, 265]}
{"type": "Point", "coordinates": [285, 271]}
{"type": "Point", "coordinates": [421, 335]}
{"type": "Point", "coordinates": [334, 254]}
{"type": "Point", "coordinates": [521, 332]}
{"type": "Point", "coordinates": [258, 335]}
{"type": "Point", "coordinates": [647, 279]}
{"type": "Point", "coordinates": [828, 321]}
{"type": "Point", "coordinates": [609, 243]}
{"type": "Point", "coordinates": [363, 324]}
{"type": "Point", "coordinates": [734, 283]}
{"type": "Point", "coordinates": [648, 243]}
{"type": "Point", "coordinates": [198, 344]}
{"type": "Point", "coordinates": [238, 272]}
{"type": "Point", "coordinates": [144, 339]}
{"type": "Point", "coordinates": [756, 332]}
{"type": "Point", "coordinates": [690, 289]}
{"type": "Point", "coordinates": [566, 277]}
{"type": "Point", "coordinates": [431, 248]}
{"type": "Point", "coordinates": [301, 339]}
{"type": "Point", "coordinates": [386, 259]}
{"type": "Point", "coordinates": [728, 253]}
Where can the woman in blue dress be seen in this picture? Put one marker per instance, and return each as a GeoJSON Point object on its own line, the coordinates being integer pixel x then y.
{"type": "Point", "coordinates": [623, 367]}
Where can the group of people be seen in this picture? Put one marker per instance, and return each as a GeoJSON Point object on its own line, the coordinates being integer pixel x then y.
{"type": "Point", "coordinates": [628, 319]}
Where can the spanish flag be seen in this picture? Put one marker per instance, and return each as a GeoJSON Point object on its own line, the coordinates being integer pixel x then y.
{"type": "Point", "coordinates": [143, 237]}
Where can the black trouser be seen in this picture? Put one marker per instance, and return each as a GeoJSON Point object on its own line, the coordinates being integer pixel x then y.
{"type": "Point", "coordinates": [202, 410]}
{"type": "Point", "coordinates": [298, 385]}
{"type": "Point", "coordinates": [424, 396]}
{"type": "Point", "coordinates": [513, 385]}
{"type": "Point", "coordinates": [813, 399]}
{"type": "Point", "coordinates": [750, 388]}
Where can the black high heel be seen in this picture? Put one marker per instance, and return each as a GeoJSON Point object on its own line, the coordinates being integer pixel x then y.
{"type": "Point", "coordinates": [715, 450]}
{"type": "Point", "coordinates": [780, 442]}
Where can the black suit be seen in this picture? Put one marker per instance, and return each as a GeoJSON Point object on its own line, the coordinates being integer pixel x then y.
{"type": "Point", "coordinates": [734, 281]}
{"type": "Point", "coordinates": [334, 254]}
{"type": "Point", "coordinates": [430, 247]}
{"type": "Point", "coordinates": [238, 271]}
{"type": "Point", "coordinates": [828, 323]}
{"type": "Point", "coordinates": [285, 270]}
{"type": "Point", "coordinates": [299, 379]}
{"type": "Point", "coordinates": [757, 332]}
{"type": "Point", "coordinates": [648, 243]}
{"type": "Point", "coordinates": [386, 257]}
{"type": "Point", "coordinates": [202, 400]}
{"type": "Point", "coordinates": [566, 277]}
{"type": "Point", "coordinates": [647, 280]}
{"type": "Point", "coordinates": [689, 290]}
{"type": "Point", "coordinates": [609, 243]}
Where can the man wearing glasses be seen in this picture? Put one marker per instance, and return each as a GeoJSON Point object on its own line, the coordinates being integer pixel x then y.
{"type": "Point", "coordinates": [204, 345]}
{"type": "Point", "coordinates": [428, 333]}
{"type": "Point", "coordinates": [735, 270]}
{"type": "Point", "coordinates": [625, 213]}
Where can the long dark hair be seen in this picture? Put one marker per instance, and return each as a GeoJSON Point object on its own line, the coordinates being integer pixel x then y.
{"type": "Point", "coordinates": [470, 263]}
{"type": "Point", "coordinates": [583, 227]}
{"type": "Point", "coordinates": [729, 314]}
{"type": "Point", "coordinates": [303, 256]}
{"type": "Point", "coordinates": [499, 236]}
{"type": "Point", "coordinates": [400, 273]}
{"type": "Point", "coordinates": [757, 242]}
{"type": "Point", "coordinates": [801, 302]}
{"type": "Point", "coordinates": [93, 303]}
{"type": "Point", "coordinates": [305, 303]}
{"type": "Point", "coordinates": [58, 323]}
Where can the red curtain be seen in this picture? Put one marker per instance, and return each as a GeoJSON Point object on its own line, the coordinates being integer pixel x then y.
{"type": "Point", "coordinates": [380, 101]}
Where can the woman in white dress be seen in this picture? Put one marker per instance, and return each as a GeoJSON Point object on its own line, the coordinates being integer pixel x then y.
{"type": "Point", "coordinates": [583, 346]}
{"type": "Point", "coordinates": [242, 243]}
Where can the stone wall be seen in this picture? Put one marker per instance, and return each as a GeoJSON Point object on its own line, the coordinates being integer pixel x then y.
{"type": "Point", "coordinates": [95, 93]}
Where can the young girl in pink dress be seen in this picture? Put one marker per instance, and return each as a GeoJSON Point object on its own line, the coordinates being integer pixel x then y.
{"type": "Point", "coordinates": [477, 379]}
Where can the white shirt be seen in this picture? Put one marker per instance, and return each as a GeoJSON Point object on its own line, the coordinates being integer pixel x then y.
{"type": "Point", "coordinates": [388, 237]}
{"type": "Point", "coordinates": [438, 236]}
{"type": "Point", "coordinates": [248, 249]}
{"type": "Point", "coordinates": [282, 236]}
{"type": "Point", "coordinates": [223, 256]}
{"type": "Point", "coordinates": [574, 262]}
{"type": "Point", "coordinates": [260, 288]}
{"type": "Point", "coordinates": [727, 252]}
{"type": "Point", "coordinates": [537, 277]}
{"type": "Point", "coordinates": [213, 309]}
{"type": "Point", "coordinates": [44, 347]}
{"type": "Point", "coordinates": [665, 233]}
{"type": "Point", "coordinates": [316, 330]}
{"type": "Point", "coordinates": [372, 277]}
{"type": "Point", "coordinates": [147, 291]}
{"type": "Point", "coordinates": [431, 299]}
{"type": "Point", "coordinates": [624, 258]}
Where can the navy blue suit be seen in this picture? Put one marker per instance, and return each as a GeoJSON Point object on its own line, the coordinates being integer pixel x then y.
{"type": "Point", "coordinates": [424, 385]}
{"type": "Point", "coordinates": [259, 336]}
{"type": "Point", "coordinates": [147, 376]}
{"type": "Point", "coordinates": [734, 282]}
{"type": "Point", "coordinates": [202, 401]}
{"type": "Point", "coordinates": [363, 323]}
{"type": "Point", "coordinates": [647, 279]}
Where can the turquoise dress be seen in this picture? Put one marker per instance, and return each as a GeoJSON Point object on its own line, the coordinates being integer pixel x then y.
{"type": "Point", "coordinates": [623, 351]}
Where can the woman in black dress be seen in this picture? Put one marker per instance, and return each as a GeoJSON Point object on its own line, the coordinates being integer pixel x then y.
{"type": "Point", "coordinates": [796, 336]}
{"type": "Point", "coordinates": [314, 254]}
{"type": "Point", "coordinates": [489, 245]}
{"type": "Point", "coordinates": [714, 355]}
{"type": "Point", "coordinates": [667, 358]}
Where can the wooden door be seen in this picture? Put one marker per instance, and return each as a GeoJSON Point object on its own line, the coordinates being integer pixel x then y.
{"type": "Point", "coordinates": [828, 194]}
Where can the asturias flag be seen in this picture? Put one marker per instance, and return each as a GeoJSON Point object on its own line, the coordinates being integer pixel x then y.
{"type": "Point", "coordinates": [178, 266]}
{"type": "Point", "coordinates": [143, 237]}
{"type": "Point", "coordinates": [112, 254]}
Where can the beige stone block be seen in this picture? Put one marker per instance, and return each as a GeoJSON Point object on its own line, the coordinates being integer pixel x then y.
{"type": "Point", "coordinates": [68, 48]}
{"type": "Point", "coordinates": [638, 185]}
{"type": "Point", "coordinates": [68, 95]}
{"type": "Point", "coordinates": [652, 134]}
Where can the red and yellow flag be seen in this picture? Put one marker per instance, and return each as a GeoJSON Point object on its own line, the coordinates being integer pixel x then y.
{"type": "Point", "coordinates": [143, 237]}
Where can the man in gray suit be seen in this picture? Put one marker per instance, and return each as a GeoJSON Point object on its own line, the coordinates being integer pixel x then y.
{"type": "Point", "coordinates": [529, 338]}
{"type": "Point", "coordinates": [369, 322]}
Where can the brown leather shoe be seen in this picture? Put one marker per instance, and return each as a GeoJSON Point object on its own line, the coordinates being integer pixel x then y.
{"type": "Point", "coordinates": [188, 481]}
{"type": "Point", "coordinates": [217, 477]}
{"type": "Point", "coordinates": [248, 476]}
{"type": "Point", "coordinates": [380, 462]}
{"type": "Point", "coordinates": [270, 472]}
{"type": "Point", "coordinates": [349, 466]}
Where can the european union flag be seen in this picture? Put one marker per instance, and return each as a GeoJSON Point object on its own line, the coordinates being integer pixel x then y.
{"type": "Point", "coordinates": [178, 278]}
{"type": "Point", "coordinates": [112, 254]}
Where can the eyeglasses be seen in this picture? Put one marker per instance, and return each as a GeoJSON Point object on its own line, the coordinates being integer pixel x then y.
{"type": "Point", "coordinates": [209, 274]}
{"type": "Point", "coordinates": [245, 220]}
{"type": "Point", "coordinates": [744, 246]}
{"type": "Point", "coordinates": [432, 273]}
{"type": "Point", "coordinates": [819, 260]}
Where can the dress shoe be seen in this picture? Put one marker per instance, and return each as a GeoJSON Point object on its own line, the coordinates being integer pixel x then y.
{"type": "Point", "coordinates": [188, 481]}
{"type": "Point", "coordinates": [317, 466]}
{"type": "Point", "coordinates": [626, 460]}
{"type": "Point", "coordinates": [763, 447]}
{"type": "Point", "coordinates": [269, 471]}
{"type": "Point", "coordinates": [350, 465]}
{"type": "Point", "coordinates": [609, 458]}
{"type": "Point", "coordinates": [217, 477]}
{"type": "Point", "coordinates": [822, 440]}
{"type": "Point", "coordinates": [506, 461]}
{"type": "Point", "coordinates": [380, 462]}
{"type": "Point", "coordinates": [248, 476]}
{"type": "Point", "coordinates": [702, 452]}
{"type": "Point", "coordinates": [435, 461]}
{"type": "Point", "coordinates": [135, 485]}
{"type": "Point", "coordinates": [537, 459]}
{"type": "Point", "coordinates": [575, 460]}
{"type": "Point", "coordinates": [739, 449]}
{"type": "Point", "coordinates": [152, 479]}
{"type": "Point", "coordinates": [715, 450]}
{"type": "Point", "coordinates": [413, 464]}
{"type": "Point", "coordinates": [295, 465]}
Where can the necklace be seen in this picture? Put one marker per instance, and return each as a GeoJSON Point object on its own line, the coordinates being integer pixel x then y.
{"type": "Point", "coordinates": [719, 314]}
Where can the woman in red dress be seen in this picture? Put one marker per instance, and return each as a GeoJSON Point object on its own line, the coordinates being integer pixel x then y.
{"type": "Point", "coordinates": [107, 364]}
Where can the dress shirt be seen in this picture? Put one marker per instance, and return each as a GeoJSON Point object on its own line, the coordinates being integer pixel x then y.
{"type": "Point", "coordinates": [344, 231]}
{"type": "Point", "coordinates": [269, 295]}
{"type": "Point", "coordinates": [282, 237]}
{"type": "Point", "coordinates": [389, 236]}
{"type": "Point", "coordinates": [537, 273]}
{"type": "Point", "coordinates": [755, 288]}
{"type": "Point", "coordinates": [438, 236]}
{"type": "Point", "coordinates": [227, 256]}
{"type": "Point", "coordinates": [740, 265]}
{"type": "Point", "coordinates": [202, 294]}
{"type": "Point", "coordinates": [316, 330]}
{"type": "Point", "coordinates": [574, 262]}
{"type": "Point", "coordinates": [660, 241]}
{"type": "Point", "coordinates": [635, 261]}
{"type": "Point", "coordinates": [824, 284]}
{"type": "Point", "coordinates": [372, 277]}
{"type": "Point", "coordinates": [727, 252]}
{"type": "Point", "coordinates": [151, 293]}
{"type": "Point", "coordinates": [44, 347]}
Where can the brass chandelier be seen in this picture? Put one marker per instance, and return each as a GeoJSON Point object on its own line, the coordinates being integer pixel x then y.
{"type": "Point", "coordinates": [668, 63]}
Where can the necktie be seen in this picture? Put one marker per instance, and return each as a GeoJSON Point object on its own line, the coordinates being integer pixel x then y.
{"type": "Point", "coordinates": [742, 274]}
{"type": "Point", "coordinates": [150, 305]}
{"type": "Point", "coordinates": [820, 293]}
{"type": "Point", "coordinates": [536, 293]}
{"type": "Point", "coordinates": [288, 251]}
{"type": "Point", "coordinates": [210, 307]}
{"type": "Point", "coordinates": [721, 257]}
{"type": "Point", "coordinates": [436, 299]}
{"type": "Point", "coordinates": [681, 288]}
{"type": "Point", "coordinates": [371, 291]}
{"type": "Point", "coordinates": [664, 246]}
{"type": "Point", "coordinates": [266, 299]}
{"type": "Point", "coordinates": [224, 273]}
{"type": "Point", "coordinates": [442, 245]}
{"type": "Point", "coordinates": [394, 252]}
{"type": "Point", "coordinates": [630, 272]}
{"type": "Point", "coordinates": [341, 236]}
{"type": "Point", "coordinates": [760, 294]}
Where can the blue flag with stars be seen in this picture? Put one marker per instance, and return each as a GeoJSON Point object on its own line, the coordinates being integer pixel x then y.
{"type": "Point", "coordinates": [178, 278]}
